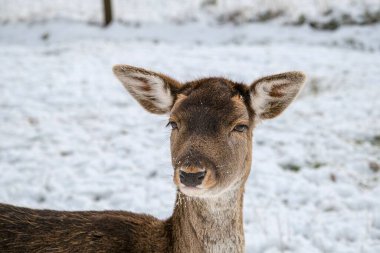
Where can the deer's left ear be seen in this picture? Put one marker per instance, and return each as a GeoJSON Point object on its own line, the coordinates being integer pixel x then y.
{"type": "Point", "coordinates": [154, 91]}
{"type": "Point", "coordinates": [272, 94]}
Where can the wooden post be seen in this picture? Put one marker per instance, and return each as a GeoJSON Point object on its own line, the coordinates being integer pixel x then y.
{"type": "Point", "coordinates": [107, 12]}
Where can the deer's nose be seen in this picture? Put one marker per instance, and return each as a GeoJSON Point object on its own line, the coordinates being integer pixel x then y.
{"type": "Point", "coordinates": [191, 179]}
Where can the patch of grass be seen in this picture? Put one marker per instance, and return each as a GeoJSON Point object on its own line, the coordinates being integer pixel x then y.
{"type": "Point", "coordinates": [239, 16]}
{"type": "Point", "coordinates": [45, 36]}
{"type": "Point", "coordinates": [314, 85]}
{"type": "Point", "coordinates": [269, 15]}
{"type": "Point", "coordinates": [152, 174]}
{"type": "Point", "coordinates": [300, 21]}
{"type": "Point", "coordinates": [317, 165]}
{"type": "Point", "coordinates": [234, 17]}
{"type": "Point", "coordinates": [375, 140]}
{"type": "Point", "coordinates": [330, 25]}
{"type": "Point", "coordinates": [347, 19]}
{"type": "Point", "coordinates": [66, 153]}
{"type": "Point", "coordinates": [327, 12]}
{"type": "Point", "coordinates": [371, 17]}
{"type": "Point", "coordinates": [354, 43]}
{"type": "Point", "coordinates": [358, 142]}
{"type": "Point", "coordinates": [291, 167]}
{"type": "Point", "coordinates": [209, 3]}
{"type": "Point", "coordinates": [41, 199]}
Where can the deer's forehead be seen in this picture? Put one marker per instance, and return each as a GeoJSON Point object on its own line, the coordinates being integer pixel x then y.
{"type": "Point", "coordinates": [210, 106]}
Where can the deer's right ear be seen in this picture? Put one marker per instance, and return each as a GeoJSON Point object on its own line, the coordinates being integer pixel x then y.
{"type": "Point", "coordinates": [154, 91]}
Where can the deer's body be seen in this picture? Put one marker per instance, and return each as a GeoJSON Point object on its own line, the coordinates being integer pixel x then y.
{"type": "Point", "coordinates": [212, 122]}
{"type": "Point", "coordinates": [28, 230]}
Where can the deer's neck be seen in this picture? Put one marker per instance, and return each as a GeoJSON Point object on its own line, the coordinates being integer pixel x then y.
{"type": "Point", "coordinates": [209, 224]}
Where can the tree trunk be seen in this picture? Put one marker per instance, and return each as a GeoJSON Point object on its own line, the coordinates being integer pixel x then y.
{"type": "Point", "coordinates": [107, 12]}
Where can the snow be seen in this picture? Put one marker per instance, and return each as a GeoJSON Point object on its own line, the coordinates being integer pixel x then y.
{"type": "Point", "coordinates": [71, 138]}
{"type": "Point", "coordinates": [206, 11]}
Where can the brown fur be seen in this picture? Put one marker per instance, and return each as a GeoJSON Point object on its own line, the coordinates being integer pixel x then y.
{"type": "Point", "coordinates": [27, 230]}
{"type": "Point", "coordinates": [213, 121]}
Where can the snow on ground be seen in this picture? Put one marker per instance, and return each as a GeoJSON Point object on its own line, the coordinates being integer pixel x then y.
{"type": "Point", "coordinates": [71, 138]}
{"type": "Point", "coordinates": [314, 12]}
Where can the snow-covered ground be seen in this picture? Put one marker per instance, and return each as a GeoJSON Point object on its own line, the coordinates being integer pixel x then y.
{"type": "Point", "coordinates": [71, 138]}
{"type": "Point", "coordinates": [318, 13]}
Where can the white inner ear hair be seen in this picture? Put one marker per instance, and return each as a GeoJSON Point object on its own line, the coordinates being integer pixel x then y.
{"type": "Point", "coordinates": [149, 87]}
{"type": "Point", "coordinates": [261, 96]}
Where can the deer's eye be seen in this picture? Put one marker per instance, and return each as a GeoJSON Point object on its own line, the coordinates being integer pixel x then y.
{"type": "Point", "coordinates": [241, 128]}
{"type": "Point", "coordinates": [173, 125]}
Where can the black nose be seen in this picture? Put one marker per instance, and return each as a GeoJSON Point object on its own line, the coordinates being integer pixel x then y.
{"type": "Point", "coordinates": [191, 179]}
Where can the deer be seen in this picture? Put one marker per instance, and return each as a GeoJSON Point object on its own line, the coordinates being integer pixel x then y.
{"type": "Point", "coordinates": [212, 122]}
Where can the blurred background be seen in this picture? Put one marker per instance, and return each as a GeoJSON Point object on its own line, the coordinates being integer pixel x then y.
{"type": "Point", "coordinates": [71, 138]}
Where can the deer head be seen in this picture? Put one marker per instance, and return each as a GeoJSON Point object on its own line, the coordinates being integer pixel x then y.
{"type": "Point", "coordinates": [212, 122]}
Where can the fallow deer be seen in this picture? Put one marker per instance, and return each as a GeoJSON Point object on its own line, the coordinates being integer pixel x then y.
{"type": "Point", "coordinates": [212, 123]}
